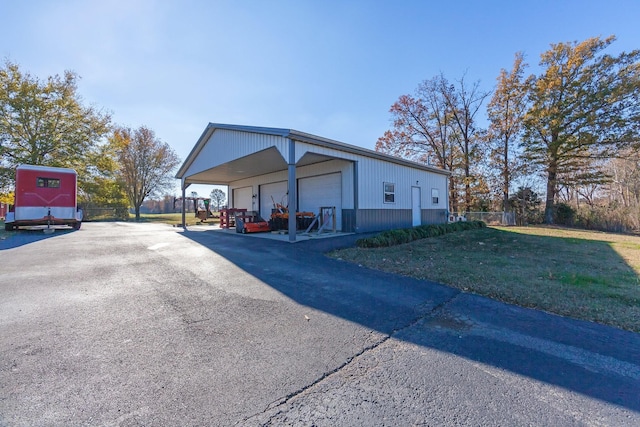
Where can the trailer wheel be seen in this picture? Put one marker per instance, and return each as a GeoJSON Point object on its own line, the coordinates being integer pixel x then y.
{"type": "Point", "coordinates": [77, 225]}
{"type": "Point", "coordinates": [8, 227]}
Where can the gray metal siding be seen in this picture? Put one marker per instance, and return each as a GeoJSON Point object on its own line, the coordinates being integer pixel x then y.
{"type": "Point", "coordinates": [433, 216]}
{"type": "Point", "coordinates": [368, 220]}
{"type": "Point", "coordinates": [348, 220]}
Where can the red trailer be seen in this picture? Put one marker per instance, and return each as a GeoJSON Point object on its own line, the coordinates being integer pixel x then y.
{"type": "Point", "coordinates": [44, 196]}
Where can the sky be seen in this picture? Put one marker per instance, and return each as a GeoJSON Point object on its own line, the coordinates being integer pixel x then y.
{"type": "Point", "coordinates": [328, 67]}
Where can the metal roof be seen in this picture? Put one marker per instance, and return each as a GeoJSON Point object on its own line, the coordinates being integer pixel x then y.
{"type": "Point", "coordinates": [302, 137]}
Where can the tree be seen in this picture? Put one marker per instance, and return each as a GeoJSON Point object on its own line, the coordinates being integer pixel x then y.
{"type": "Point", "coordinates": [506, 113]}
{"type": "Point", "coordinates": [526, 204]}
{"type": "Point", "coordinates": [218, 197]}
{"type": "Point", "coordinates": [584, 106]}
{"type": "Point", "coordinates": [144, 164]}
{"type": "Point", "coordinates": [421, 132]}
{"type": "Point", "coordinates": [45, 123]}
{"type": "Point", "coordinates": [464, 102]}
{"type": "Point", "coordinates": [100, 187]}
{"type": "Point", "coordinates": [438, 127]}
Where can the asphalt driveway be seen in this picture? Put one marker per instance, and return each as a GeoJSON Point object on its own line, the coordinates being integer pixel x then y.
{"type": "Point", "coordinates": [142, 324]}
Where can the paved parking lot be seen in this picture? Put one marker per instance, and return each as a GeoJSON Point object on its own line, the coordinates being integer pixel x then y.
{"type": "Point", "coordinates": [140, 324]}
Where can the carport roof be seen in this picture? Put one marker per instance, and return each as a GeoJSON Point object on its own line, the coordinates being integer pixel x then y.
{"type": "Point", "coordinates": [298, 136]}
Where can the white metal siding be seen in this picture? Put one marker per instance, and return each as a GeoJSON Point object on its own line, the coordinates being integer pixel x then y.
{"type": "Point", "coordinates": [345, 168]}
{"type": "Point", "coordinates": [372, 173]}
{"type": "Point", "coordinates": [242, 198]}
{"type": "Point", "coordinates": [276, 191]}
{"type": "Point", "coordinates": [226, 145]}
{"type": "Point", "coordinates": [318, 191]}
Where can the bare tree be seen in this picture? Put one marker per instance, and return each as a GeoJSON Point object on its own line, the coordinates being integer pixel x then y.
{"type": "Point", "coordinates": [464, 102]}
{"type": "Point", "coordinates": [144, 163]}
{"type": "Point", "coordinates": [506, 112]}
{"type": "Point", "coordinates": [437, 126]}
{"type": "Point", "coordinates": [218, 197]}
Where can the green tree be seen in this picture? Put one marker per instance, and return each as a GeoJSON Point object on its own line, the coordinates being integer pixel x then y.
{"type": "Point", "coordinates": [526, 203]}
{"type": "Point", "coordinates": [144, 164]}
{"type": "Point", "coordinates": [100, 187]}
{"type": "Point", "coordinates": [45, 122]}
{"type": "Point", "coordinates": [585, 105]}
{"type": "Point", "coordinates": [506, 113]}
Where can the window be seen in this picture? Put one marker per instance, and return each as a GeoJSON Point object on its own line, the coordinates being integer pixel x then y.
{"type": "Point", "coordinates": [434, 196]}
{"type": "Point", "coordinates": [48, 182]}
{"type": "Point", "coordinates": [389, 192]}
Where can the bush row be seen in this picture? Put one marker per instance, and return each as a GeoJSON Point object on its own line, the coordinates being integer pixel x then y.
{"type": "Point", "coordinates": [406, 235]}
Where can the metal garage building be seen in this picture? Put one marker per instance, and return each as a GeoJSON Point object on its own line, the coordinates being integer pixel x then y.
{"type": "Point", "coordinates": [371, 191]}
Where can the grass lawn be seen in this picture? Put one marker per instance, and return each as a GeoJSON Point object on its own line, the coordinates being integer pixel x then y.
{"type": "Point", "coordinates": [582, 274]}
{"type": "Point", "coordinates": [171, 219]}
{"type": "Point", "coordinates": [175, 218]}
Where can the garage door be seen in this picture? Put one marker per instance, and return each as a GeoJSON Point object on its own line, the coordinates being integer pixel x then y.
{"type": "Point", "coordinates": [277, 190]}
{"type": "Point", "coordinates": [242, 198]}
{"type": "Point", "coordinates": [324, 190]}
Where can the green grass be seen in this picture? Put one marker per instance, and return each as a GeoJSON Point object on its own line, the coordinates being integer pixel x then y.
{"type": "Point", "coordinates": [587, 275]}
{"type": "Point", "coordinates": [174, 218]}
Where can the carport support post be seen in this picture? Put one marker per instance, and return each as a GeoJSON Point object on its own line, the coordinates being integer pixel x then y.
{"type": "Point", "coordinates": [184, 204]}
{"type": "Point", "coordinates": [293, 199]}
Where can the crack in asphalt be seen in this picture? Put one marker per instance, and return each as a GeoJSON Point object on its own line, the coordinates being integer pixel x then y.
{"type": "Point", "coordinates": [282, 401]}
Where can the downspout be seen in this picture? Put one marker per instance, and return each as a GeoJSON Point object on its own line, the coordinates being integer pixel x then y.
{"type": "Point", "coordinates": [293, 195]}
{"type": "Point", "coordinates": [355, 196]}
{"type": "Point", "coordinates": [446, 192]}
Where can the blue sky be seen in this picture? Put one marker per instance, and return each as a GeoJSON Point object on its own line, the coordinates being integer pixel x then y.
{"type": "Point", "coordinates": [330, 68]}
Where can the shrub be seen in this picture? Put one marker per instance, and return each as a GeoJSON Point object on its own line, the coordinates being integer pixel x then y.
{"type": "Point", "coordinates": [564, 214]}
{"type": "Point", "coordinates": [406, 235]}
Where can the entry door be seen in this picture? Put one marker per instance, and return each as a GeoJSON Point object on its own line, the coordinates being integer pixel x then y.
{"type": "Point", "coordinates": [415, 206]}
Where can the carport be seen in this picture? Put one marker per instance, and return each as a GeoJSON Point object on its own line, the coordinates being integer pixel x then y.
{"type": "Point", "coordinates": [226, 169]}
{"type": "Point", "coordinates": [370, 191]}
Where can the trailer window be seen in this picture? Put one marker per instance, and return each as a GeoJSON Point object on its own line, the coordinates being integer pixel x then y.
{"type": "Point", "coordinates": [48, 182]}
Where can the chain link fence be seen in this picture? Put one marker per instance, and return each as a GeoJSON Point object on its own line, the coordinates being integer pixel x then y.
{"type": "Point", "coordinates": [97, 213]}
{"type": "Point", "coordinates": [490, 218]}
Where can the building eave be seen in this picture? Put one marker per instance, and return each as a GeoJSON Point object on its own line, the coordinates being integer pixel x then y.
{"type": "Point", "coordinates": [301, 137]}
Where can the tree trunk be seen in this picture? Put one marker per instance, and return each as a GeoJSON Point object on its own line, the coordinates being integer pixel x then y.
{"type": "Point", "coordinates": [505, 176]}
{"type": "Point", "coordinates": [452, 196]}
{"type": "Point", "coordinates": [137, 209]}
{"type": "Point", "coordinates": [552, 173]}
{"type": "Point", "coordinates": [467, 177]}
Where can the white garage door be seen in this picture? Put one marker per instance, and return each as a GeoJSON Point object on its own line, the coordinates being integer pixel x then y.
{"type": "Point", "coordinates": [277, 190]}
{"type": "Point", "coordinates": [242, 198]}
{"type": "Point", "coordinates": [319, 191]}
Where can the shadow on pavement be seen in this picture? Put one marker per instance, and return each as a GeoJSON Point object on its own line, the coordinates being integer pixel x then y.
{"type": "Point", "coordinates": [14, 239]}
{"type": "Point", "coordinates": [587, 358]}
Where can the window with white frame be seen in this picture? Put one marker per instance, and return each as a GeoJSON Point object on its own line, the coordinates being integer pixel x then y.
{"type": "Point", "coordinates": [389, 192]}
{"type": "Point", "coordinates": [434, 196]}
